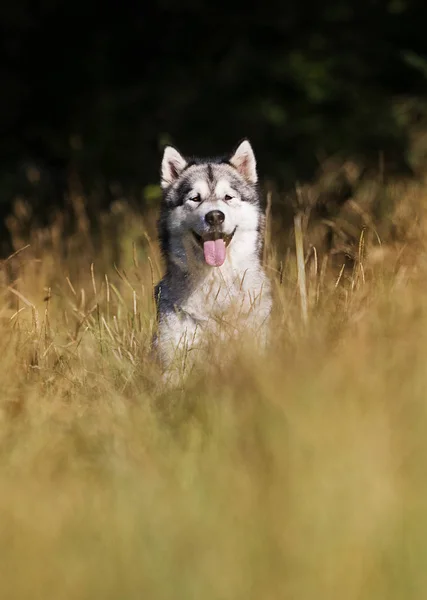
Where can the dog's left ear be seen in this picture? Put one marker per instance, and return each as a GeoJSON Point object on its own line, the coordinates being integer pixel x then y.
{"type": "Point", "coordinates": [244, 161]}
{"type": "Point", "coordinates": [172, 166]}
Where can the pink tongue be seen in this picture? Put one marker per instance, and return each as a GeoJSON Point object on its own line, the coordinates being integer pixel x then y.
{"type": "Point", "coordinates": [214, 251]}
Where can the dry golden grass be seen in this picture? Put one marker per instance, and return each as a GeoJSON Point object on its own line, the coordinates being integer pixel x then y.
{"type": "Point", "coordinates": [299, 476]}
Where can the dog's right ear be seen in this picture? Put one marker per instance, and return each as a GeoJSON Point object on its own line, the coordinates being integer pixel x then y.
{"type": "Point", "coordinates": [172, 166]}
{"type": "Point", "coordinates": [244, 161]}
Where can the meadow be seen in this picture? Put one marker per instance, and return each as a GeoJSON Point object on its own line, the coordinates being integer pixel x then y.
{"type": "Point", "coordinates": [299, 475]}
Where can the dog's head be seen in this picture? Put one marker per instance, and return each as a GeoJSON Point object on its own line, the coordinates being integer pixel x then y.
{"type": "Point", "coordinates": [210, 207]}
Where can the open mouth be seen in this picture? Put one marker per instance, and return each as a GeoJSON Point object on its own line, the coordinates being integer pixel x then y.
{"type": "Point", "coordinates": [214, 245]}
{"type": "Point", "coordinates": [214, 236]}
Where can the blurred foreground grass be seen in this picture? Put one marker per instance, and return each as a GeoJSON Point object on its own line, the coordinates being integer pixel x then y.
{"type": "Point", "coordinates": [302, 475]}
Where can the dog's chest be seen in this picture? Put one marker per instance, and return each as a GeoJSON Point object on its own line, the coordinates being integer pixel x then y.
{"type": "Point", "coordinates": [220, 293]}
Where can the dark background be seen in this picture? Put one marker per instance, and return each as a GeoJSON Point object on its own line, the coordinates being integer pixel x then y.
{"type": "Point", "coordinates": [97, 88]}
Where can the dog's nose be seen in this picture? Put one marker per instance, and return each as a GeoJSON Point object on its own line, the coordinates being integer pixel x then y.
{"type": "Point", "coordinates": [214, 217]}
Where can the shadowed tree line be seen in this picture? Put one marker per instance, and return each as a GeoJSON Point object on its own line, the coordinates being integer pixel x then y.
{"type": "Point", "coordinates": [99, 88]}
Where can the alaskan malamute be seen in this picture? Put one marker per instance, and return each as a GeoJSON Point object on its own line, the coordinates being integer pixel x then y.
{"type": "Point", "coordinates": [210, 230]}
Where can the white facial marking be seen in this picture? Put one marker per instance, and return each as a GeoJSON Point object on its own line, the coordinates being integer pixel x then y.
{"type": "Point", "coordinates": [223, 189]}
{"type": "Point", "coordinates": [200, 188]}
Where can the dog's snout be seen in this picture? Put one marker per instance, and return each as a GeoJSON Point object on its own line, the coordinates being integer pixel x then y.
{"type": "Point", "coordinates": [215, 218]}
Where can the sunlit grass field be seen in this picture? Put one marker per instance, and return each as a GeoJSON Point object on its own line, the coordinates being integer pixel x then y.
{"type": "Point", "coordinates": [300, 475]}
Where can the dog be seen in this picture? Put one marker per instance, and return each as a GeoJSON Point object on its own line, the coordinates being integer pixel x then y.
{"type": "Point", "coordinates": [211, 236]}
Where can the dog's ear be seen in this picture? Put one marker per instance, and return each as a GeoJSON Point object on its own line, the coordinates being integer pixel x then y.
{"type": "Point", "coordinates": [172, 166]}
{"type": "Point", "coordinates": [244, 161]}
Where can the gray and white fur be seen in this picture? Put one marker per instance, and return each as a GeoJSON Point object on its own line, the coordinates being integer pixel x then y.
{"type": "Point", "coordinates": [210, 232]}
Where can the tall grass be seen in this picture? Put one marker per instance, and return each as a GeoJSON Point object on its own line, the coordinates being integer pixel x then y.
{"type": "Point", "coordinates": [299, 475]}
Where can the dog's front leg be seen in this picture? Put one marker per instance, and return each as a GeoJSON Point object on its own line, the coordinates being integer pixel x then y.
{"type": "Point", "coordinates": [178, 337]}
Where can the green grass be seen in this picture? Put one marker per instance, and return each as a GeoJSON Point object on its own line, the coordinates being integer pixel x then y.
{"type": "Point", "coordinates": [301, 475]}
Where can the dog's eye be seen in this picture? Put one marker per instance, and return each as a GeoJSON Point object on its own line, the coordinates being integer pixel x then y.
{"type": "Point", "coordinates": [227, 197]}
{"type": "Point", "coordinates": [195, 198]}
